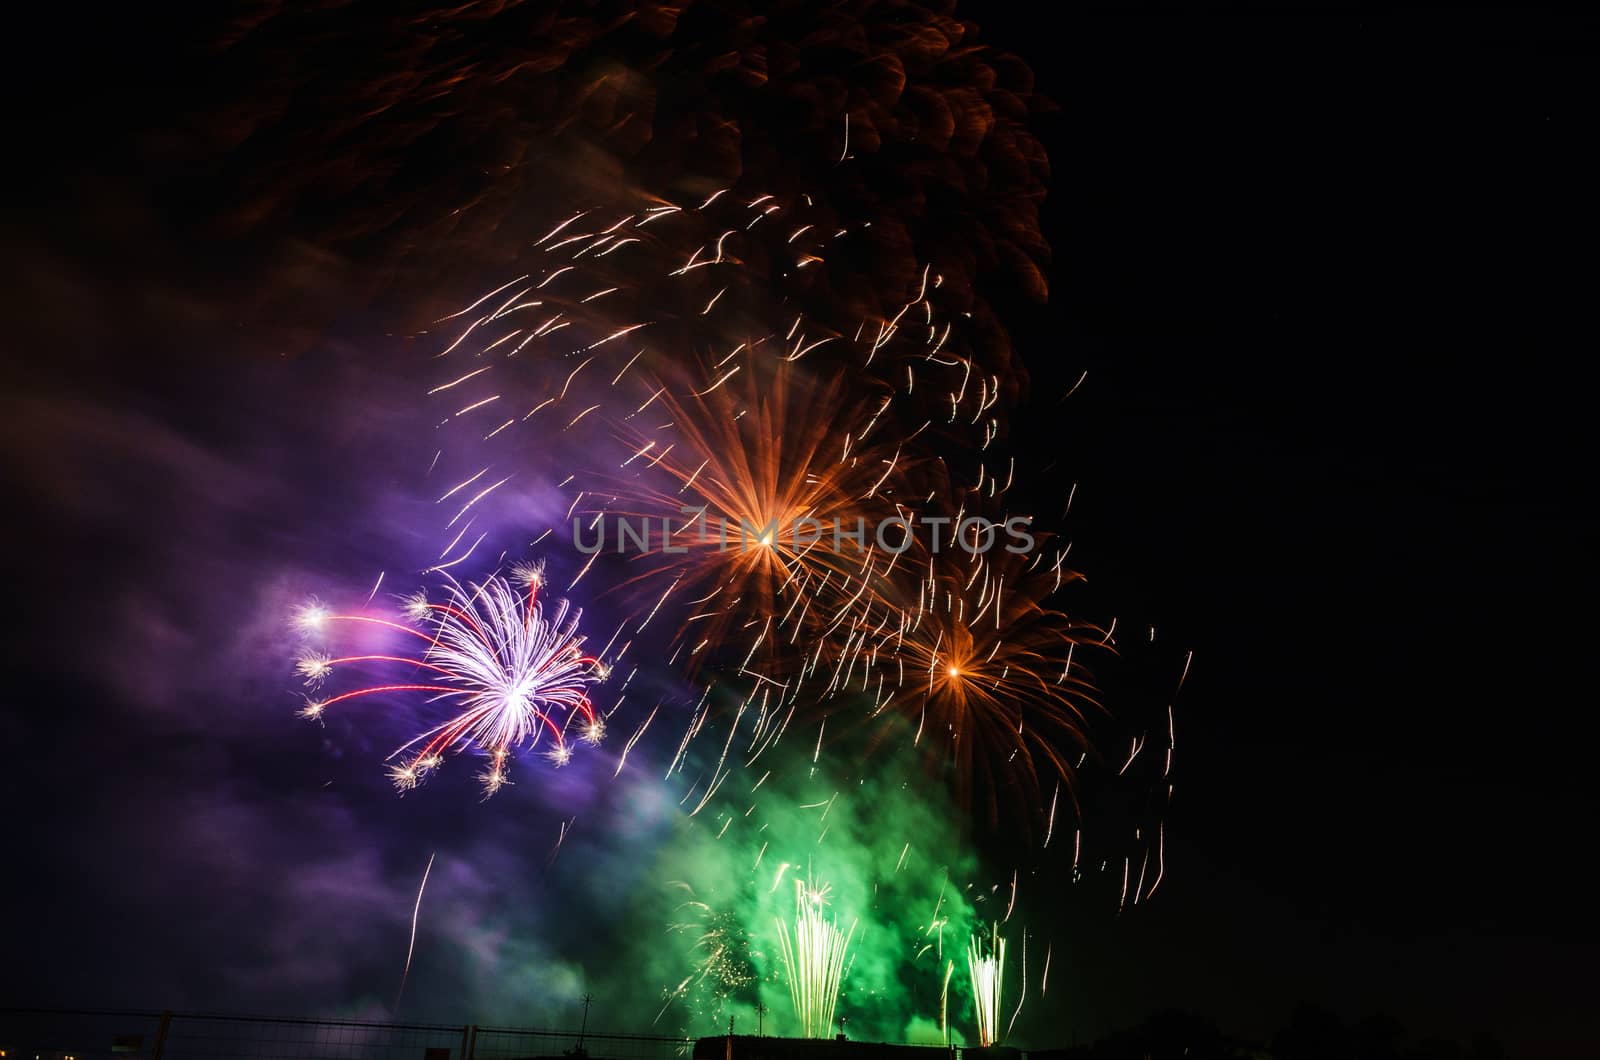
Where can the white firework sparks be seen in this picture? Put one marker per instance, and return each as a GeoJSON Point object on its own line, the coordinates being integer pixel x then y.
{"type": "Point", "coordinates": [514, 676]}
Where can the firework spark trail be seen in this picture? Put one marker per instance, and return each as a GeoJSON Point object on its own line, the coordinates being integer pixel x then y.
{"type": "Point", "coordinates": [515, 676]}
{"type": "Point", "coordinates": [1050, 827]}
{"type": "Point", "coordinates": [648, 291]}
{"type": "Point", "coordinates": [411, 948]}
{"type": "Point", "coordinates": [944, 1000]}
{"type": "Point", "coordinates": [622, 760]}
{"type": "Point", "coordinates": [1023, 995]}
{"type": "Point", "coordinates": [561, 837]}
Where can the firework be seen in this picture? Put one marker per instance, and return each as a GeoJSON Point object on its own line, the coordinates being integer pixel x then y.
{"type": "Point", "coordinates": [571, 102]}
{"type": "Point", "coordinates": [753, 483]}
{"type": "Point", "coordinates": [813, 952]}
{"type": "Point", "coordinates": [749, 376]}
{"type": "Point", "coordinates": [512, 675]}
{"type": "Point", "coordinates": [601, 332]}
{"type": "Point", "coordinates": [724, 963]}
{"type": "Point", "coordinates": [772, 492]}
{"type": "Point", "coordinates": [986, 964]}
{"type": "Point", "coordinates": [756, 440]}
{"type": "Point", "coordinates": [989, 676]}
{"type": "Point", "coordinates": [411, 947]}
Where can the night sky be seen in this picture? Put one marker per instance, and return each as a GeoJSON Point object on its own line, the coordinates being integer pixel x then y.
{"type": "Point", "coordinates": [1330, 277]}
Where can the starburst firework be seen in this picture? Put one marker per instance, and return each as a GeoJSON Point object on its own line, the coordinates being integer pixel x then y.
{"type": "Point", "coordinates": [512, 675]}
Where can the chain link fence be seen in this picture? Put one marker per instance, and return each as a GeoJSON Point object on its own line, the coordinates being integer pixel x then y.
{"type": "Point", "coordinates": [56, 1034]}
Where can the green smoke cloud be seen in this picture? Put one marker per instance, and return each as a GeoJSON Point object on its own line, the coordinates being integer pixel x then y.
{"type": "Point", "coordinates": [879, 835]}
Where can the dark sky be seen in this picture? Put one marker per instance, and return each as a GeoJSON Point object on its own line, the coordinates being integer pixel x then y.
{"type": "Point", "coordinates": [1330, 276]}
{"type": "Point", "coordinates": [1326, 275]}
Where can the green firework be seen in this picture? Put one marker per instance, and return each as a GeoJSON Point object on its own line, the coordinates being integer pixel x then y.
{"type": "Point", "coordinates": [900, 877]}
{"type": "Point", "coordinates": [814, 952]}
{"type": "Point", "coordinates": [986, 965]}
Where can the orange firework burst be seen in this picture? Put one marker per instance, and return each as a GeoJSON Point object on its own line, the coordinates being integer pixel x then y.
{"type": "Point", "coordinates": [774, 490]}
{"type": "Point", "coordinates": [989, 674]}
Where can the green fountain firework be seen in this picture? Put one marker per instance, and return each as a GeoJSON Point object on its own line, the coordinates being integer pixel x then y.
{"type": "Point", "coordinates": [986, 965]}
{"type": "Point", "coordinates": [814, 952]}
{"type": "Point", "coordinates": [771, 950]}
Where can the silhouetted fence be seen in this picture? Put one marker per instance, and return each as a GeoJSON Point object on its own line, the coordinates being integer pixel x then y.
{"type": "Point", "coordinates": [59, 1034]}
